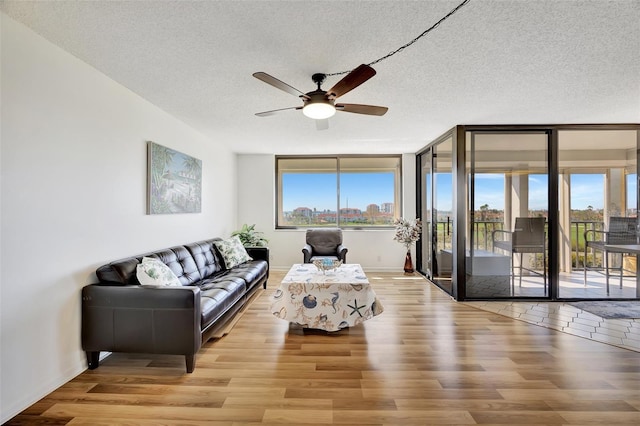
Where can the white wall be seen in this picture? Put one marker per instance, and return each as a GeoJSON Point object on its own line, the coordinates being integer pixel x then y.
{"type": "Point", "coordinates": [73, 196]}
{"type": "Point", "coordinates": [373, 249]}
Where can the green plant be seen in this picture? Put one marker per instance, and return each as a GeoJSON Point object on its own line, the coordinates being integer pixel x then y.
{"type": "Point", "coordinates": [250, 237]}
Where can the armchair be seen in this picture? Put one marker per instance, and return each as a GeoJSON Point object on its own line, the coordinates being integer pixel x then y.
{"type": "Point", "coordinates": [621, 231]}
{"type": "Point", "coordinates": [324, 243]}
{"type": "Point", "coordinates": [528, 236]}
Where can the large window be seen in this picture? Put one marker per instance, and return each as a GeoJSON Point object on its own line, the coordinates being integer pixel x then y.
{"type": "Point", "coordinates": [344, 191]}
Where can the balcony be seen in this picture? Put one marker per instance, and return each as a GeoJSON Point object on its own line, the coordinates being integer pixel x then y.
{"type": "Point", "coordinates": [571, 282]}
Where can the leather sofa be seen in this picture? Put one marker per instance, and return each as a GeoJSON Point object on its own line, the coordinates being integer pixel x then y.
{"type": "Point", "coordinates": [120, 315]}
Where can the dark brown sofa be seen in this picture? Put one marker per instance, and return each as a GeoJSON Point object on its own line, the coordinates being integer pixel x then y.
{"type": "Point", "coordinates": [120, 315]}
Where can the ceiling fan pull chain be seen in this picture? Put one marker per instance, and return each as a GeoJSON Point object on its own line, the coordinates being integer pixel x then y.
{"type": "Point", "coordinates": [401, 48]}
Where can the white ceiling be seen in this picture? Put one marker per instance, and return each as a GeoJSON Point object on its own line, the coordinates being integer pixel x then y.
{"type": "Point", "coordinates": [494, 62]}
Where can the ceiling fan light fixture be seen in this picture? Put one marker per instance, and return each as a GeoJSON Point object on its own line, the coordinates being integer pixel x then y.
{"type": "Point", "coordinates": [319, 110]}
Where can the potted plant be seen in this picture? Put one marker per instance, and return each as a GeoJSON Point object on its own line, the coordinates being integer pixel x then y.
{"type": "Point", "coordinates": [407, 233]}
{"type": "Point", "coordinates": [250, 237]}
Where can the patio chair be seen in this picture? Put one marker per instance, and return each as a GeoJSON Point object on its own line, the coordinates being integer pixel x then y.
{"type": "Point", "coordinates": [621, 231]}
{"type": "Point", "coordinates": [528, 236]}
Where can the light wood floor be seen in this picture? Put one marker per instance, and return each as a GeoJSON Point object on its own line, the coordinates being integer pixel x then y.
{"type": "Point", "coordinates": [425, 360]}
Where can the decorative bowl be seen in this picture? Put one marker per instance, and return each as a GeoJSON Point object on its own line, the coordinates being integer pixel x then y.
{"type": "Point", "coordinates": [325, 265]}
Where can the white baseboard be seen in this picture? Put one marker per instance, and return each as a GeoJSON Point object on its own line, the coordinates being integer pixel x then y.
{"type": "Point", "coordinates": [40, 392]}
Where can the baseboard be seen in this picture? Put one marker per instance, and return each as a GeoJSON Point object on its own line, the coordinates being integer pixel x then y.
{"type": "Point", "coordinates": [8, 412]}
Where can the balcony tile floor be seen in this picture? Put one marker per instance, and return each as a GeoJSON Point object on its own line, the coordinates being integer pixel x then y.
{"type": "Point", "coordinates": [624, 333]}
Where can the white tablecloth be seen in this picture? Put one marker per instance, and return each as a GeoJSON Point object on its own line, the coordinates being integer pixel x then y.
{"type": "Point", "coordinates": [332, 301]}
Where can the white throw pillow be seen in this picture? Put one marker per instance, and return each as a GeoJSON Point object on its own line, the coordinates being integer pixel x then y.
{"type": "Point", "coordinates": [153, 272]}
{"type": "Point", "coordinates": [232, 251]}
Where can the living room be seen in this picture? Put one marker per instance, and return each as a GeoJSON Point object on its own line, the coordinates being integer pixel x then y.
{"type": "Point", "coordinates": [74, 150]}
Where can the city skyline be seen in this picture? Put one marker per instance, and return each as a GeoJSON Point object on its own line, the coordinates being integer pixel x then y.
{"type": "Point", "coordinates": [358, 190]}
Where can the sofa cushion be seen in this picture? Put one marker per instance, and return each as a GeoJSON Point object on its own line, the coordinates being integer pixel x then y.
{"type": "Point", "coordinates": [251, 272]}
{"type": "Point", "coordinates": [218, 295]}
{"type": "Point", "coordinates": [153, 272]}
{"type": "Point", "coordinates": [232, 251]}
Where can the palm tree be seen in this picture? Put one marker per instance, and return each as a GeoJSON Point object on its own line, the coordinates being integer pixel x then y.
{"type": "Point", "coordinates": [483, 212]}
{"type": "Point", "coordinates": [193, 167]}
{"type": "Point", "coordinates": [161, 158]}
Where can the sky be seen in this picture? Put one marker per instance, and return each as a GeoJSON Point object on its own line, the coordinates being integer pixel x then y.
{"type": "Point", "coordinates": [586, 190]}
{"type": "Point", "coordinates": [357, 190]}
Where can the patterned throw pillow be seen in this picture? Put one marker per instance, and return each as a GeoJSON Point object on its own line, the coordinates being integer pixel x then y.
{"type": "Point", "coordinates": [153, 272]}
{"type": "Point", "coordinates": [232, 251]}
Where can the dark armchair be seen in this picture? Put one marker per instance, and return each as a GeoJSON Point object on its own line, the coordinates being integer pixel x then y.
{"type": "Point", "coordinates": [324, 243]}
{"type": "Point", "coordinates": [528, 236]}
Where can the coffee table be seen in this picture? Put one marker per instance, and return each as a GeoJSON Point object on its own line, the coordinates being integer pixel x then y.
{"type": "Point", "coordinates": [327, 301]}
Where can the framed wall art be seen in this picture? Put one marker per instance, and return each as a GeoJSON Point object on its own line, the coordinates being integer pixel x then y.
{"type": "Point", "coordinates": [174, 181]}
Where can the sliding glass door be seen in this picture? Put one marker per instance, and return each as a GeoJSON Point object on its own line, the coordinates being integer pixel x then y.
{"type": "Point", "coordinates": [507, 237]}
{"type": "Point", "coordinates": [597, 187]}
{"type": "Point", "coordinates": [437, 214]}
{"type": "Point", "coordinates": [538, 212]}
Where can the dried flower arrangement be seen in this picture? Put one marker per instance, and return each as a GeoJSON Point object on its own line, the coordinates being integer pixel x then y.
{"type": "Point", "coordinates": [407, 231]}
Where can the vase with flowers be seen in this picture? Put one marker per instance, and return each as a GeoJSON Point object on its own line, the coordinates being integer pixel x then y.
{"type": "Point", "coordinates": [407, 233]}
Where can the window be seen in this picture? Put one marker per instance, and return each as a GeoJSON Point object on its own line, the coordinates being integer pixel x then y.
{"type": "Point", "coordinates": [344, 191]}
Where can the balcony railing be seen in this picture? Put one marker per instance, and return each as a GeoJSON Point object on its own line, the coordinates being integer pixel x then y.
{"type": "Point", "coordinates": [482, 231]}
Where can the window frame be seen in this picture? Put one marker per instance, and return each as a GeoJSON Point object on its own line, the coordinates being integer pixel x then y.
{"type": "Point", "coordinates": [397, 196]}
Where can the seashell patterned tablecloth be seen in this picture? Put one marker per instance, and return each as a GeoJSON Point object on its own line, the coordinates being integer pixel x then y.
{"type": "Point", "coordinates": [328, 301]}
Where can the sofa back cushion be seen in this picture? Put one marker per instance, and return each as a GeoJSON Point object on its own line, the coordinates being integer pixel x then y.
{"type": "Point", "coordinates": [180, 261]}
{"type": "Point", "coordinates": [190, 263]}
{"type": "Point", "coordinates": [205, 256]}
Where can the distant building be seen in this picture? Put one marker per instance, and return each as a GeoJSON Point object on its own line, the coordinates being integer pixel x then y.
{"type": "Point", "coordinates": [373, 209]}
{"type": "Point", "coordinates": [303, 212]}
{"type": "Point", "coordinates": [386, 208]}
{"type": "Point", "coordinates": [350, 214]}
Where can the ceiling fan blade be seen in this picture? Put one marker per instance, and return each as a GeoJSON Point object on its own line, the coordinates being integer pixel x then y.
{"type": "Point", "coordinates": [352, 80]}
{"type": "Point", "coordinates": [322, 124]}
{"type": "Point", "coordinates": [362, 109]}
{"type": "Point", "coordinates": [273, 111]}
{"type": "Point", "coordinates": [278, 84]}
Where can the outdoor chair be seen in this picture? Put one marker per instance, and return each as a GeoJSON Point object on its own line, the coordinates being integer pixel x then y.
{"type": "Point", "coordinates": [621, 231]}
{"type": "Point", "coordinates": [528, 236]}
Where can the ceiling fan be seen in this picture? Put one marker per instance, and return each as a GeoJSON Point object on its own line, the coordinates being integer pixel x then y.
{"type": "Point", "coordinates": [319, 104]}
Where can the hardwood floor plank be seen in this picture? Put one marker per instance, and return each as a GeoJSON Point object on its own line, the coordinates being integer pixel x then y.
{"type": "Point", "coordinates": [425, 360]}
{"type": "Point", "coordinates": [298, 417]}
{"type": "Point", "coordinates": [328, 393]}
{"type": "Point", "coordinates": [592, 405]}
{"type": "Point", "coordinates": [405, 417]}
{"type": "Point", "coordinates": [155, 413]}
{"type": "Point", "coordinates": [364, 404]}
{"type": "Point", "coordinates": [462, 394]}
{"type": "Point", "coordinates": [295, 383]}
{"type": "Point", "coordinates": [279, 403]}
{"type": "Point", "coordinates": [113, 421]}
{"type": "Point", "coordinates": [518, 417]}
{"type": "Point", "coordinates": [601, 417]}
{"type": "Point", "coordinates": [472, 405]}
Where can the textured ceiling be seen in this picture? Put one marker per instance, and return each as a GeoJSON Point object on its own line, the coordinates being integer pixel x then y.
{"type": "Point", "coordinates": [494, 62]}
